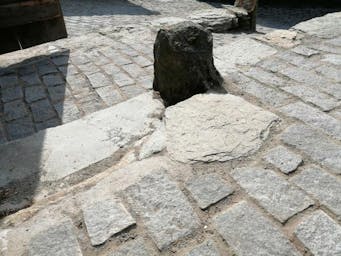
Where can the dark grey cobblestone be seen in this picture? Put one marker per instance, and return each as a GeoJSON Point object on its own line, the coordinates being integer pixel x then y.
{"type": "Point", "coordinates": [42, 110]}
{"type": "Point", "coordinates": [14, 110]}
{"type": "Point", "coordinates": [11, 93]}
{"type": "Point", "coordinates": [20, 128]}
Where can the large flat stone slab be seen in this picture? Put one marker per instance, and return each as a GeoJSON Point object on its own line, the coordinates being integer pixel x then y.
{"type": "Point", "coordinates": [215, 127]}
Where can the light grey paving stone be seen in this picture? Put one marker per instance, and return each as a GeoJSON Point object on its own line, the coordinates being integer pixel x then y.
{"type": "Point", "coordinates": [320, 234]}
{"type": "Point", "coordinates": [283, 159]}
{"type": "Point", "coordinates": [68, 70]}
{"type": "Point", "coordinates": [133, 248]}
{"type": "Point", "coordinates": [265, 77]}
{"type": "Point", "coordinates": [208, 189]}
{"type": "Point", "coordinates": [34, 93]}
{"type": "Point", "coordinates": [42, 110]}
{"type": "Point", "coordinates": [273, 64]}
{"type": "Point", "coordinates": [335, 41]}
{"type": "Point", "coordinates": [79, 59]}
{"type": "Point", "coordinates": [14, 110]}
{"type": "Point", "coordinates": [324, 187]}
{"type": "Point", "coordinates": [129, 51]}
{"type": "Point", "coordinates": [67, 111]}
{"type": "Point", "coordinates": [104, 218]}
{"type": "Point", "coordinates": [298, 60]}
{"type": "Point", "coordinates": [164, 209]}
{"type": "Point", "coordinates": [8, 80]}
{"type": "Point", "coordinates": [99, 80]}
{"type": "Point", "coordinates": [89, 68]}
{"type": "Point", "coordinates": [322, 46]}
{"type": "Point", "coordinates": [120, 60]}
{"type": "Point", "coordinates": [57, 240]}
{"type": "Point", "coordinates": [111, 69]}
{"type": "Point", "coordinates": [20, 128]}
{"type": "Point", "coordinates": [122, 79]}
{"type": "Point", "coordinates": [207, 248]}
{"type": "Point", "coordinates": [78, 83]}
{"type": "Point", "coordinates": [332, 58]}
{"type": "Point", "coordinates": [53, 80]}
{"type": "Point", "coordinates": [249, 233]}
{"type": "Point", "coordinates": [320, 148]}
{"type": "Point", "coordinates": [312, 95]}
{"type": "Point", "coordinates": [305, 51]}
{"type": "Point", "coordinates": [132, 90]}
{"type": "Point", "coordinates": [314, 117]}
{"type": "Point", "coordinates": [146, 82]}
{"type": "Point", "coordinates": [12, 93]}
{"type": "Point", "coordinates": [273, 192]}
{"type": "Point", "coordinates": [31, 79]}
{"type": "Point", "coordinates": [142, 61]}
{"type": "Point", "coordinates": [133, 70]}
{"type": "Point", "coordinates": [154, 144]}
{"type": "Point", "coordinates": [109, 95]}
{"type": "Point", "coordinates": [330, 72]}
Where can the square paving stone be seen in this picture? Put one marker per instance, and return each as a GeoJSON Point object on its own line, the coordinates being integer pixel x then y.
{"type": "Point", "coordinates": [305, 51]}
{"type": "Point", "coordinates": [133, 70]}
{"type": "Point", "coordinates": [272, 191]}
{"type": "Point", "coordinates": [132, 90]}
{"type": "Point", "coordinates": [208, 189]}
{"type": "Point", "coordinates": [34, 93]}
{"type": "Point", "coordinates": [27, 69]}
{"type": "Point", "coordinates": [48, 124]}
{"type": "Point", "coordinates": [53, 80]}
{"type": "Point", "coordinates": [283, 159]}
{"type": "Point", "coordinates": [8, 80]}
{"type": "Point", "coordinates": [135, 247]}
{"type": "Point", "coordinates": [58, 93]}
{"type": "Point", "coordinates": [249, 233]}
{"type": "Point", "coordinates": [89, 68]}
{"type": "Point", "coordinates": [46, 67]}
{"type": "Point", "coordinates": [122, 79]}
{"type": "Point", "coordinates": [57, 240]}
{"type": "Point", "coordinates": [99, 80]}
{"type": "Point", "coordinates": [14, 110]}
{"type": "Point", "coordinates": [67, 111]}
{"type": "Point", "coordinates": [320, 234]}
{"type": "Point", "coordinates": [12, 93]}
{"type": "Point", "coordinates": [31, 79]}
{"type": "Point", "coordinates": [109, 95]}
{"type": "Point", "coordinates": [42, 110]}
{"type": "Point", "coordinates": [207, 248]}
{"type": "Point", "coordinates": [68, 70]}
{"type": "Point", "coordinates": [20, 128]}
{"type": "Point", "coordinates": [61, 60]}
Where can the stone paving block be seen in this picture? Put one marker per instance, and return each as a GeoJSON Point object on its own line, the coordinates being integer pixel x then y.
{"type": "Point", "coordinates": [132, 90]}
{"type": "Point", "coordinates": [122, 79]}
{"type": "Point", "coordinates": [283, 159]}
{"type": "Point", "coordinates": [58, 93]}
{"type": "Point", "coordinates": [91, 106]}
{"type": "Point", "coordinates": [11, 93]}
{"type": "Point", "coordinates": [298, 60]}
{"type": "Point", "coordinates": [265, 77]}
{"type": "Point", "coordinates": [8, 80]}
{"type": "Point", "coordinates": [208, 189]}
{"type": "Point", "coordinates": [129, 51]}
{"type": "Point", "coordinates": [45, 68]}
{"type": "Point", "coordinates": [58, 240]}
{"type": "Point", "coordinates": [272, 191]}
{"type": "Point", "coordinates": [164, 209]}
{"type": "Point", "coordinates": [249, 233]}
{"type": "Point", "coordinates": [3, 138]}
{"type": "Point", "coordinates": [312, 95]}
{"type": "Point", "coordinates": [31, 79]}
{"type": "Point", "coordinates": [120, 60]}
{"type": "Point", "coordinates": [78, 82]}
{"type": "Point", "coordinates": [79, 59]}
{"type": "Point", "coordinates": [142, 61]}
{"type": "Point", "coordinates": [99, 80]}
{"type": "Point", "coordinates": [320, 234]}
{"type": "Point", "coordinates": [305, 51]}
{"type": "Point", "coordinates": [314, 117]}
{"type": "Point", "coordinates": [322, 186]}
{"type": "Point", "coordinates": [320, 148]}
{"type": "Point", "coordinates": [61, 60]}
{"type": "Point", "coordinates": [273, 64]}
{"type": "Point", "coordinates": [47, 124]}
{"type": "Point", "coordinates": [67, 111]}
{"type": "Point", "coordinates": [207, 248]}
{"type": "Point", "coordinates": [14, 110]}
{"type": "Point", "coordinates": [89, 68]}
{"type": "Point", "coordinates": [146, 82]}
{"type": "Point", "coordinates": [329, 72]}
{"type": "Point", "coordinates": [109, 95]}
{"type": "Point", "coordinates": [20, 128]}
{"type": "Point", "coordinates": [34, 93]}
{"type": "Point", "coordinates": [27, 69]}
{"type": "Point", "coordinates": [68, 70]}
{"type": "Point", "coordinates": [53, 80]}
{"type": "Point", "coordinates": [104, 218]}
{"type": "Point", "coordinates": [111, 69]}
{"type": "Point", "coordinates": [332, 58]}
{"type": "Point", "coordinates": [135, 247]}
{"type": "Point", "coordinates": [42, 110]}
{"type": "Point", "coordinates": [133, 70]}
{"type": "Point", "coordinates": [155, 143]}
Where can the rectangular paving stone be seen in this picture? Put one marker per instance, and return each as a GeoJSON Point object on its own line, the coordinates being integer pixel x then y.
{"type": "Point", "coordinates": [27, 69]}
{"type": "Point", "coordinates": [79, 59]}
{"type": "Point", "coordinates": [334, 59]}
{"type": "Point", "coordinates": [11, 93]}
{"type": "Point", "coordinates": [45, 67]}
{"type": "Point", "coordinates": [283, 159]}
{"type": "Point", "coordinates": [146, 82]}
{"type": "Point", "coordinates": [265, 77]}
{"type": "Point", "coordinates": [129, 51]}
{"type": "Point", "coordinates": [31, 79]}
{"type": "Point", "coordinates": [208, 189]}
{"type": "Point", "coordinates": [305, 51]}
{"type": "Point", "coordinates": [142, 61]}
{"type": "Point", "coordinates": [122, 79]}
{"type": "Point", "coordinates": [323, 186]}
{"type": "Point", "coordinates": [249, 233]}
{"type": "Point", "coordinates": [68, 70]}
{"type": "Point", "coordinates": [14, 110]}
{"type": "Point", "coordinates": [42, 110]}
{"type": "Point", "coordinates": [273, 64]}
{"type": "Point", "coordinates": [47, 124]}
{"type": "Point", "coordinates": [61, 60]}
{"type": "Point", "coordinates": [298, 60]}
{"type": "Point", "coordinates": [164, 209]}
{"type": "Point", "coordinates": [314, 117]}
{"type": "Point", "coordinates": [53, 80]}
{"type": "Point", "coordinates": [58, 93]}
{"type": "Point", "coordinates": [207, 248]}
{"type": "Point", "coordinates": [78, 82]}
{"type": "Point", "coordinates": [316, 145]}
{"type": "Point", "coordinates": [312, 95]}
{"type": "Point", "coordinates": [320, 234]}
{"type": "Point", "coordinates": [133, 70]}
{"type": "Point", "coordinates": [67, 111]}
{"type": "Point", "coordinates": [329, 72]}
{"type": "Point", "coordinates": [109, 95]}
{"type": "Point", "coordinates": [135, 247]}
{"type": "Point", "coordinates": [132, 90]}
{"type": "Point", "coordinates": [20, 128]}
{"type": "Point", "coordinates": [8, 80]}
{"type": "Point", "coordinates": [99, 80]}
{"type": "Point", "coordinates": [89, 68]}
{"type": "Point", "coordinates": [111, 69]}
{"type": "Point", "coordinates": [34, 93]}
{"type": "Point", "coordinates": [272, 191]}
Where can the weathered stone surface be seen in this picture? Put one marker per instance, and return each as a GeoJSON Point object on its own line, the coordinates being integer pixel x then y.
{"type": "Point", "coordinates": [332, 58]}
{"type": "Point", "coordinates": [322, 186]}
{"type": "Point", "coordinates": [99, 80]}
{"type": "Point", "coordinates": [198, 129]}
{"type": "Point", "coordinates": [283, 159]}
{"type": "Point", "coordinates": [249, 233]}
{"type": "Point", "coordinates": [11, 93]}
{"type": "Point", "coordinates": [20, 128]}
{"type": "Point", "coordinates": [34, 93]}
{"type": "Point", "coordinates": [184, 62]}
{"type": "Point", "coordinates": [208, 189]}
{"type": "Point", "coordinates": [14, 110]}
{"type": "Point", "coordinates": [282, 38]}
{"type": "Point", "coordinates": [154, 144]}
{"type": "Point", "coordinates": [164, 209]}
{"type": "Point", "coordinates": [207, 248]}
{"type": "Point", "coordinates": [315, 144]}
{"type": "Point", "coordinates": [320, 234]}
{"type": "Point", "coordinates": [133, 248]}
{"type": "Point", "coordinates": [272, 191]}
{"type": "Point", "coordinates": [266, 77]}
{"type": "Point", "coordinates": [57, 240]}
{"type": "Point", "coordinates": [314, 118]}
{"type": "Point", "coordinates": [305, 51]}
{"type": "Point", "coordinates": [42, 110]}
{"type": "Point", "coordinates": [104, 218]}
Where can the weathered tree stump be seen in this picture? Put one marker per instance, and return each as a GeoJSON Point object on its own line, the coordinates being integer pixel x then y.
{"type": "Point", "coordinates": [251, 7]}
{"type": "Point", "coordinates": [183, 64]}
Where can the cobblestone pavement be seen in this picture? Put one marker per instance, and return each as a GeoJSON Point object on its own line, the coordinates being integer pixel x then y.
{"type": "Point", "coordinates": [267, 182]}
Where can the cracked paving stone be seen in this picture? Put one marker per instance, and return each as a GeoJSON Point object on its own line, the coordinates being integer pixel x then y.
{"type": "Point", "coordinates": [20, 128]}
{"type": "Point", "coordinates": [34, 93]}
{"type": "Point", "coordinates": [99, 80]}
{"type": "Point", "coordinates": [208, 189]}
{"type": "Point", "coordinates": [207, 248]}
{"type": "Point", "coordinates": [283, 159]}
{"type": "Point", "coordinates": [105, 218]}
{"type": "Point", "coordinates": [320, 234]}
{"type": "Point", "coordinates": [14, 110]}
{"type": "Point", "coordinates": [135, 247]}
{"type": "Point", "coordinates": [164, 209]}
{"type": "Point", "coordinates": [53, 80]}
{"type": "Point", "coordinates": [319, 147]}
{"type": "Point", "coordinates": [42, 110]}
{"type": "Point", "coordinates": [273, 192]}
{"type": "Point", "coordinates": [12, 93]}
{"type": "Point", "coordinates": [249, 233]}
{"type": "Point", "coordinates": [322, 186]}
{"type": "Point", "coordinates": [57, 240]}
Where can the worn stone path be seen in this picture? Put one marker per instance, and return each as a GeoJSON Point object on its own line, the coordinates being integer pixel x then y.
{"type": "Point", "coordinates": [252, 172]}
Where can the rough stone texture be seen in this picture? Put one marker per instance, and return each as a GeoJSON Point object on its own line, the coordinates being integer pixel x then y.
{"type": "Point", "coordinates": [164, 209]}
{"type": "Point", "coordinates": [198, 130]}
{"type": "Point", "coordinates": [208, 189]}
{"type": "Point", "coordinates": [184, 62]}
{"type": "Point", "coordinates": [283, 159]}
{"type": "Point", "coordinates": [132, 248]}
{"type": "Point", "coordinates": [249, 233]}
{"type": "Point", "coordinates": [272, 191]}
{"type": "Point", "coordinates": [105, 218]}
{"type": "Point", "coordinates": [58, 240]}
{"type": "Point", "coordinates": [207, 248]}
{"type": "Point", "coordinates": [14, 110]}
{"type": "Point", "coordinates": [282, 38]}
{"type": "Point", "coordinates": [320, 234]}
{"type": "Point", "coordinates": [154, 144]}
{"type": "Point", "coordinates": [316, 145]}
{"type": "Point", "coordinates": [322, 186]}
{"type": "Point", "coordinates": [303, 50]}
